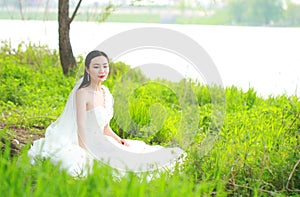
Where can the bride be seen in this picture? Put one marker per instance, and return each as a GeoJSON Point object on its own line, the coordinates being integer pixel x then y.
{"type": "Point", "coordinates": [82, 134]}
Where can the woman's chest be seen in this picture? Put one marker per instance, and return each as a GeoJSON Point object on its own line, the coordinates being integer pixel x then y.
{"type": "Point", "coordinates": [95, 100]}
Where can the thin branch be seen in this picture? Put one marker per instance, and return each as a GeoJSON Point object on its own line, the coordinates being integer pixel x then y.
{"type": "Point", "coordinates": [290, 177]}
{"type": "Point", "coordinates": [75, 11]}
{"type": "Point", "coordinates": [260, 189]}
{"type": "Point", "coordinates": [21, 9]}
{"type": "Point", "coordinates": [46, 10]}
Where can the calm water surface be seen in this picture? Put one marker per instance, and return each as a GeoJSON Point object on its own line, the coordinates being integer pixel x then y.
{"type": "Point", "coordinates": [267, 59]}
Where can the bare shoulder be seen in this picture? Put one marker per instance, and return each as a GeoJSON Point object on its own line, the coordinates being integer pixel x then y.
{"type": "Point", "coordinates": [81, 93]}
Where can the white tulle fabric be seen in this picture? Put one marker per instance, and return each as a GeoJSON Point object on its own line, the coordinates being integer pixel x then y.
{"type": "Point", "coordinates": [60, 144]}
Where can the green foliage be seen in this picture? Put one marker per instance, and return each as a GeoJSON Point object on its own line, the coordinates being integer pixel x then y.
{"type": "Point", "coordinates": [33, 88]}
{"type": "Point", "coordinates": [292, 15]}
{"type": "Point", "coordinates": [238, 143]}
{"type": "Point", "coordinates": [155, 107]}
{"type": "Point", "coordinates": [255, 12]}
{"type": "Point", "coordinates": [232, 12]}
{"type": "Point", "coordinates": [19, 178]}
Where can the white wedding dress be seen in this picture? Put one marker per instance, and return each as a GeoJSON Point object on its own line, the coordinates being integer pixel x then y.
{"type": "Point", "coordinates": [60, 144]}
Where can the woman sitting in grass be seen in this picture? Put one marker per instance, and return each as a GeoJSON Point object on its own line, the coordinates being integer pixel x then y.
{"type": "Point", "coordinates": [82, 134]}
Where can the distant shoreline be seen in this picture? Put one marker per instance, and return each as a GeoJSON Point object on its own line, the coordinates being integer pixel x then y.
{"type": "Point", "coordinates": [134, 14]}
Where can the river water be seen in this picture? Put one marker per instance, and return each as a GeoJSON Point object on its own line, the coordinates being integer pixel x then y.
{"type": "Point", "coordinates": [267, 59]}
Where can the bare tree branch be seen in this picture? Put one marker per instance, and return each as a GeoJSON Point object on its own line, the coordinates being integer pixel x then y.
{"type": "Point", "coordinates": [46, 10]}
{"type": "Point", "coordinates": [21, 9]}
{"type": "Point", "coordinates": [75, 11]}
{"type": "Point", "coordinates": [247, 187]}
{"type": "Point", "coordinates": [290, 177]}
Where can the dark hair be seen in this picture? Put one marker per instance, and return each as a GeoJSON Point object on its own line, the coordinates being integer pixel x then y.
{"type": "Point", "coordinates": [88, 59]}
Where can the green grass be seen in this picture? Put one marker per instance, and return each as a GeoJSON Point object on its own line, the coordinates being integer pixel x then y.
{"type": "Point", "coordinates": [132, 18]}
{"type": "Point", "coordinates": [254, 153]}
{"type": "Point", "coordinates": [15, 15]}
{"type": "Point", "coordinates": [217, 19]}
{"type": "Point", "coordinates": [149, 14]}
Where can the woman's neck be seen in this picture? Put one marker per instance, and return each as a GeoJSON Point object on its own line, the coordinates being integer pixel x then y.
{"type": "Point", "coordinates": [96, 86]}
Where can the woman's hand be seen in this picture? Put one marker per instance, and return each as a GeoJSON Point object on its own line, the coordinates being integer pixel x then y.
{"type": "Point", "coordinates": [122, 141]}
{"type": "Point", "coordinates": [108, 131]}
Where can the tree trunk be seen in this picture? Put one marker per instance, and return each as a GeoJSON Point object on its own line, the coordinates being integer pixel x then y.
{"type": "Point", "coordinates": [67, 58]}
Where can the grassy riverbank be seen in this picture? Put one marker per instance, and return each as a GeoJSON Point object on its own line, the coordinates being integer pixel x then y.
{"type": "Point", "coordinates": [237, 142]}
{"type": "Point", "coordinates": [242, 14]}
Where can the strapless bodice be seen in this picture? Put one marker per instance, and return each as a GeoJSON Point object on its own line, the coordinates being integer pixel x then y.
{"type": "Point", "coordinates": [97, 118]}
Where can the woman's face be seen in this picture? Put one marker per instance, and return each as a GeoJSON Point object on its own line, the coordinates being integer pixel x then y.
{"type": "Point", "coordinates": [99, 69]}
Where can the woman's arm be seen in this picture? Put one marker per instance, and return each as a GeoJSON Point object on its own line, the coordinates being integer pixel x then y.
{"type": "Point", "coordinates": [108, 131]}
{"type": "Point", "coordinates": [81, 116]}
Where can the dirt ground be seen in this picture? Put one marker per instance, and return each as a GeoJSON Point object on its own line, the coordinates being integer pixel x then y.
{"type": "Point", "coordinates": [18, 137]}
